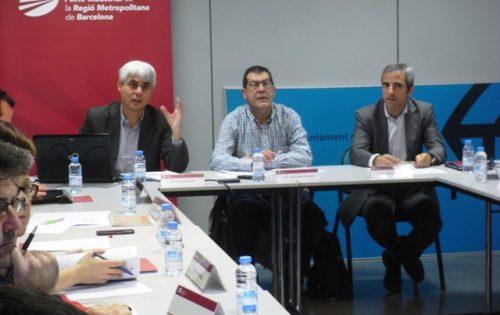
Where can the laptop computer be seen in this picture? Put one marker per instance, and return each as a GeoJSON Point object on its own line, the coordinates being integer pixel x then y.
{"type": "Point", "coordinates": [53, 153]}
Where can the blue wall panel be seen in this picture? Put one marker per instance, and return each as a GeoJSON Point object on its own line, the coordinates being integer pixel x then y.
{"type": "Point", "coordinates": [328, 116]}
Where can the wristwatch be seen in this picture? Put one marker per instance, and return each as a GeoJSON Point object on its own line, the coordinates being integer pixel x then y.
{"type": "Point", "coordinates": [434, 161]}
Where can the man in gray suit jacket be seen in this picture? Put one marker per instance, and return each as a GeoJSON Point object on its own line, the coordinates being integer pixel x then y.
{"type": "Point", "coordinates": [133, 124]}
{"type": "Point", "coordinates": [396, 129]}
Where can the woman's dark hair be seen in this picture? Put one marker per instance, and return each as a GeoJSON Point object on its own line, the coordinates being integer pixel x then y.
{"type": "Point", "coordinates": [17, 301]}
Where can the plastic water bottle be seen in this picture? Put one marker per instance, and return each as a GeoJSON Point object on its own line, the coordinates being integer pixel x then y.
{"type": "Point", "coordinates": [480, 165]}
{"type": "Point", "coordinates": [161, 234]}
{"type": "Point", "coordinates": [173, 250]}
{"type": "Point", "coordinates": [258, 165]}
{"type": "Point", "coordinates": [75, 175]}
{"type": "Point", "coordinates": [128, 194]}
{"type": "Point", "coordinates": [140, 166]}
{"type": "Point", "coordinates": [468, 156]}
{"type": "Point", "coordinates": [166, 214]}
{"type": "Point", "coordinates": [246, 287]}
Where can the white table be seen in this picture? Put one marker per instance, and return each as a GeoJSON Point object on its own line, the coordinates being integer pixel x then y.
{"type": "Point", "coordinates": [348, 177]}
{"type": "Point", "coordinates": [157, 302]}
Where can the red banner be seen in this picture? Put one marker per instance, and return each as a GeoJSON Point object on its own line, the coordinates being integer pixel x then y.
{"type": "Point", "coordinates": [60, 57]}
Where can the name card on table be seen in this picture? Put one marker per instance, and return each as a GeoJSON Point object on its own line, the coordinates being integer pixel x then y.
{"type": "Point", "coordinates": [186, 301]}
{"type": "Point", "coordinates": [296, 173]}
{"type": "Point", "coordinates": [169, 180]}
{"type": "Point", "coordinates": [203, 273]}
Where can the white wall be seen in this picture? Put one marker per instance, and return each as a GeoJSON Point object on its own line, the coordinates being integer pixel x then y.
{"type": "Point", "coordinates": [319, 43]}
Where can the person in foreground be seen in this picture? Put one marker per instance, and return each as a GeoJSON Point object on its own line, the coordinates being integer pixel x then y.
{"type": "Point", "coordinates": [7, 104]}
{"type": "Point", "coordinates": [34, 270]}
{"type": "Point", "coordinates": [278, 131]}
{"type": "Point", "coordinates": [133, 124]}
{"type": "Point", "coordinates": [393, 130]}
{"type": "Point", "coordinates": [88, 270]}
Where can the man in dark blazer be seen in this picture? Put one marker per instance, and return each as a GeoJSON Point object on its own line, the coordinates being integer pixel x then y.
{"type": "Point", "coordinates": [396, 129]}
{"type": "Point", "coordinates": [133, 124]}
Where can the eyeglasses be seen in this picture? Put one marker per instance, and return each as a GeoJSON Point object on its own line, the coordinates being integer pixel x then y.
{"type": "Point", "coordinates": [133, 85]}
{"type": "Point", "coordinates": [18, 204]}
{"type": "Point", "coordinates": [30, 190]}
{"type": "Point", "coordinates": [255, 84]}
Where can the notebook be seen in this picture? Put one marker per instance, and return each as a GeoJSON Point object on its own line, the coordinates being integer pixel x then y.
{"type": "Point", "coordinates": [53, 153]}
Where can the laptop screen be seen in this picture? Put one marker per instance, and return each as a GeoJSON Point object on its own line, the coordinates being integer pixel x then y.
{"type": "Point", "coordinates": [53, 153]}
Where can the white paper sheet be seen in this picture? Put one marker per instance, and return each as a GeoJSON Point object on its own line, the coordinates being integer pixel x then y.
{"type": "Point", "coordinates": [67, 245]}
{"type": "Point", "coordinates": [88, 292]}
{"type": "Point", "coordinates": [58, 222]}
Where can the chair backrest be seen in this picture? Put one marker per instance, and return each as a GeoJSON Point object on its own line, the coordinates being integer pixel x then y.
{"type": "Point", "coordinates": [346, 159]}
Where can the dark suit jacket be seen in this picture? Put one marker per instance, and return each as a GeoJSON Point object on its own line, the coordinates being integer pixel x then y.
{"type": "Point", "coordinates": [371, 136]}
{"type": "Point", "coordinates": [155, 136]}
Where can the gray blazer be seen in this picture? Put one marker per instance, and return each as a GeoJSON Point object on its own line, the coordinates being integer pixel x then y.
{"type": "Point", "coordinates": [155, 136]}
{"type": "Point", "coordinates": [371, 136]}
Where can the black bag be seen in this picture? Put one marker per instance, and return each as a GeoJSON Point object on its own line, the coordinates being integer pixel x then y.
{"type": "Point", "coordinates": [328, 277]}
{"type": "Point", "coordinates": [220, 224]}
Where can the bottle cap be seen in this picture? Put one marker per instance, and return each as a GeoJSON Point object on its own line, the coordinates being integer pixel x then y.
{"type": "Point", "coordinates": [128, 176]}
{"type": "Point", "coordinates": [172, 225]}
{"type": "Point", "coordinates": [480, 149]}
{"type": "Point", "coordinates": [257, 150]}
{"type": "Point", "coordinates": [139, 152]}
{"type": "Point", "coordinates": [244, 260]}
{"type": "Point", "coordinates": [74, 158]}
{"type": "Point", "coordinates": [468, 141]}
{"type": "Point", "coordinates": [165, 206]}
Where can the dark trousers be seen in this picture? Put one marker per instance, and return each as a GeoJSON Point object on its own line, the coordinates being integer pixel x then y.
{"type": "Point", "coordinates": [251, 226]}
{"type": "Point", "coordinates": [417, 206]}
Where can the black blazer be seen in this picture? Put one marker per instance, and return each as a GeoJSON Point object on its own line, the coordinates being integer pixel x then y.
{"type": "Point", "coordinates": [371, 136]}
{"type": "Point", "coordinates": [155, 136]}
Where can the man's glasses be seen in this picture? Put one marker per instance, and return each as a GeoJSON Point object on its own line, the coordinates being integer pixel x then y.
{"type": "Point", "coordinates": [17, 204]}
{"type": "Point", "coordinates": [133, 85]}
{"type": "Point", "coordinates": [256, 84]}
{"type": "Point", "coordinates": [30, 190]}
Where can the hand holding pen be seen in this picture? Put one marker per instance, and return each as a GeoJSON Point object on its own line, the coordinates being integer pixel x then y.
{"type": "Point", "coordinates": [28, 240]}
{"type": "Point", "coordinates": [120, 267]}
{"type": "Point", "coordinates": [34, 269]}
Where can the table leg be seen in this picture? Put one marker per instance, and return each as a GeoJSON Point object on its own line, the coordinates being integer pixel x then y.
{"type": "Point", "coordinates": [488, 268]}
{"type": "Point", "coordinates": [299, 250]}
{"type": "Point", "coordinates": [274, 247]}
{"type": "Point", "coordinates": [291, 250]}
{"type": "Point", "coordinates": [281, 274]}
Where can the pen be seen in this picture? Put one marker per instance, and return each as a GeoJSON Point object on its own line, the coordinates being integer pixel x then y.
{"type": "Point", "coordinates": [28, 240]}
{"type": "Point", "coordinates": [123, 269]}
{"type": "Point", "coordinates": [52, 221]}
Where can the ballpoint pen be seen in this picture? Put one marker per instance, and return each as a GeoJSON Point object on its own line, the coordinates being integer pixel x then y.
{"type": "Point", "coordinates": [28, 240]}
{"type": "Point", "coordinates": [123, 269]}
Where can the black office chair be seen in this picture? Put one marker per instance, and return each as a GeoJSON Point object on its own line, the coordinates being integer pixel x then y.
{"type": "Point", "coordinates": [437, 244]}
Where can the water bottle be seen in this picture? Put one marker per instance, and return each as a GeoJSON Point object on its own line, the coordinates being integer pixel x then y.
{"type": "Point", "coordinates": [258, 165]}
{"type": "Point", "coordinates": [173, 250]}
{"type": "Point", "coordinates": [140, 166]}
{"type": "Point", "coordinates": [161, 234]}
{"type": "Point", "coordinates": [128, 194]}
{"type": "Point", "coordinates": [75, 175]}
{"type": "Point", "coordinates": [468, 156]}
{"type": "Point", "coordinates": [480, 165]}
{"type": "Point", "coordinates": [166, 214]}
{"type": "Point", "coordinates": [246, 287]}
